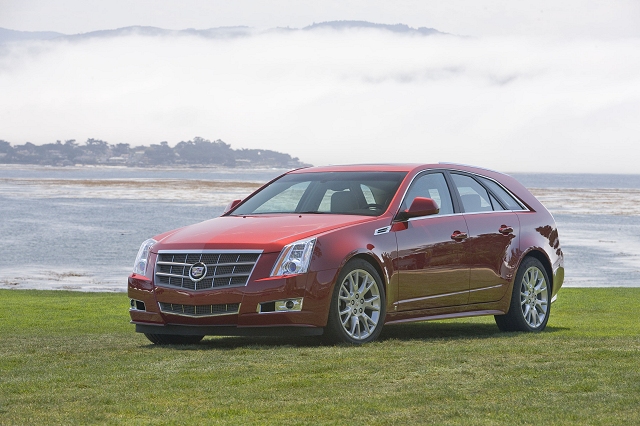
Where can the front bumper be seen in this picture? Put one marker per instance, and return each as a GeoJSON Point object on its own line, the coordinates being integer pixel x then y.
{"type": "Point", "coordinates": [233, 310]}
{"type": "Point", "coordinates": [221, 330]}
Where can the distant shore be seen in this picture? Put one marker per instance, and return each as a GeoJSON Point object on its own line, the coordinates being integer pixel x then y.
{"type": "Point", "coordinates": [196, 152]}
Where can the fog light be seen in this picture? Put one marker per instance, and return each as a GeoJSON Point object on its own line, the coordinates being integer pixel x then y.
{"type": "Point", "coordinates": [137, 305]}
{"type": "Point", "coordinates": [289, 305]}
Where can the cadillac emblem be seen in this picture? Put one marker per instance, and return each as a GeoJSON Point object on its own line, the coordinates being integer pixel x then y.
{"type": "Point", "coordinates": [197, 271]}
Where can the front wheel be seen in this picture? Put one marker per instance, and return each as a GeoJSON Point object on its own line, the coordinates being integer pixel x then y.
{"type": "Point", "coordinates": [358, 304]}
{"type": "Point", "coordinates": [529, 308]}
{"type": "Point", "coordinates": [173, 339]}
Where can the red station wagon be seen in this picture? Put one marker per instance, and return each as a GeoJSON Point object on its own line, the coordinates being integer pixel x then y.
{"type": "Point", "coordinates": [340, 251]}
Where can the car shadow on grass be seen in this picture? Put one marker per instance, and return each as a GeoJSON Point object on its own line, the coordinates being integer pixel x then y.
{"type": "Point", "coordinates": [234, 342]}
{"type": "Point", "coordinates": [417, 331]}
{"type": "Point", "coordinates": [427, 330]}
{"type": "Point", "coordinates": [430, 330]}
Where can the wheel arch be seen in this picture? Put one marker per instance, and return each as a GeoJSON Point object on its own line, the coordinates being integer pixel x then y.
{"type": "Point", "coordinates": [374, 262]}
{"type": "Point", "coordinates": [546, 263]}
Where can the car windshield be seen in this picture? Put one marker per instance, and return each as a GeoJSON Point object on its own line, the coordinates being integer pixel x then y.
{"type": "Point", "coordinates": [356, 193]}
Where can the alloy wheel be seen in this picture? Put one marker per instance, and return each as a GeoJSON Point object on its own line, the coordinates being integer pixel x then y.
{"type": "Point", "coordinates": [534, 297]}
{"type": "Point", "coordinates": [359, 304]}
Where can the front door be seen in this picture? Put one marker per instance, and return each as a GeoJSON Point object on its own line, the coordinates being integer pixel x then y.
{"type": "Point", "coordinates": [429, 262]}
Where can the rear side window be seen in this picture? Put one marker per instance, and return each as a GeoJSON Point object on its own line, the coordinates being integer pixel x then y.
{"type": "Point", "coordinates": [507, 199]}
{"type": "Point", "coordinates": [473, 195]}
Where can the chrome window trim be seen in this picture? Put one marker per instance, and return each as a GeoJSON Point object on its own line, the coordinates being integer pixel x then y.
{"type": "Point", "coordinates": [433, 216]}
{"type": "Point", "coordinates": [493, 211]}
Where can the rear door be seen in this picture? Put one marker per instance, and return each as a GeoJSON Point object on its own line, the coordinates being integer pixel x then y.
{"type": "Point", "coordinates": [493, 238]}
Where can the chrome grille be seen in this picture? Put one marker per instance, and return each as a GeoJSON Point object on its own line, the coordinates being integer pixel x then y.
{"type": "Point", "coordinates": [199, 310]}
{"type": "Point", "coordinates": [224, 269]}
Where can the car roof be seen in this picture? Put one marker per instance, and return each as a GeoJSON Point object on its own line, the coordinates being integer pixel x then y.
{"type": "Point", "coordinates": [362, 168]}
{"type": "Point", "coordinates": [391, 167]}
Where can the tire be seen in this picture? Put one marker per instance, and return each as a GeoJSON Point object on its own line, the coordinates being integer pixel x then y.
{"type": "Point", "coordinates": [358, 305]}
{"type": "Point", "coordinates": [530, 299]}
{"type": "Point", "coordinates": [173, 339]}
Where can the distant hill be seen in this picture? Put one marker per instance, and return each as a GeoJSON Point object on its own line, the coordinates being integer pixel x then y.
{"type": "Point", "coordinates": [11, 35]}
{"type": "Point", "coordinates": [196, 152]}
{"type": "Point", "coordinates": [220, 32]}
{"type": "Point", "coordinates": [396, 28]}
{"type": "Point", "coordinates": [7, 35]}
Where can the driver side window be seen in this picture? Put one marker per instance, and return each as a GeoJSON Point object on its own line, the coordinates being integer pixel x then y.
{"type": "Point", "coordinates": [430, 185]}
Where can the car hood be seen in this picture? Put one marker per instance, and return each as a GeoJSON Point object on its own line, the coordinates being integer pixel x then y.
{"type": "Point", "coordinates": [268, 233]}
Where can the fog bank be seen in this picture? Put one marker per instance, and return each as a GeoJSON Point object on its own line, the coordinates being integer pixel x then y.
{"type": "Point", "coordinates": [513, 104]}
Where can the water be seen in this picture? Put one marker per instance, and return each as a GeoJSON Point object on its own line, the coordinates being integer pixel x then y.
{"type": "Point", "coordinates": [88, 172]}
{"type": "Point", "coordinates": [558, 180]}
{"type": "Point", "coordinates": [80, 228]}
{"type": "Point", "coordinates": [598, 217]}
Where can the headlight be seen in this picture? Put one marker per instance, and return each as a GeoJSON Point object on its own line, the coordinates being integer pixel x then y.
{"type": "Point", "coordinates": [140, 266]}
{"type": "Point", "coordinates": [294, 258]}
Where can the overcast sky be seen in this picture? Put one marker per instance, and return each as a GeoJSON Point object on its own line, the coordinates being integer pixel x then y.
{"type": "Point", "coordinates": [570, 18]}
{"type": "Point", "coordinates": [540, 86]}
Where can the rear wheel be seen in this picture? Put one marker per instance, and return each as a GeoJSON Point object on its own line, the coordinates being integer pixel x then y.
{"type": "Point", "coordinates": [529, 309]}
{"type": "Point", "coordinates": [173, 339]}
{"type": "Point", "coordinates": [358, 305]}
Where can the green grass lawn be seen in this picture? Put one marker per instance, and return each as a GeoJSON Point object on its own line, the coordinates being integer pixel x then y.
{"type": "Point", "coordinates": [73, 358]}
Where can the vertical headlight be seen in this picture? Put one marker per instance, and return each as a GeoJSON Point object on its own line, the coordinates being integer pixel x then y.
{"type": "Point", "coordinates": [140, 266]}
{"type": "Point", "coordinates": [294, 258]}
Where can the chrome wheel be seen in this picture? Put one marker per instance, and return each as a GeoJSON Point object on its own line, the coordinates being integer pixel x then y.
{"type": "Point", "coordinates": [534, 297]}
{"type": "Point", "coordinates": [530, 305]}
{"type": "Point", "coordinates": [359, 304]}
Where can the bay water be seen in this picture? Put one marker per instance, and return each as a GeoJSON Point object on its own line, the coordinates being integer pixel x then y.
{"type": "Point", "coordinates": [79, 228]}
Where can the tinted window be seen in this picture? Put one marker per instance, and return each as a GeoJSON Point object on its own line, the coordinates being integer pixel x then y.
{"type": "Point", "coordinates": [286, 200]}
{"type": "Point", "coordinates": [473, 195]}
{"type": "Point", "coordinates": [506, 198]}
{"type": "Point", "coordinates": [430, 185]}
{"type": "Point", "coordinates": [360, 193]}
{"type": "Point", "coordinates": [495, 203]}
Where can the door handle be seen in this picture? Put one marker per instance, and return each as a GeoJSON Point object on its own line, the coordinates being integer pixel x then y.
{"type": "Point", "coordinates": [504, 229]}
{"type": "Point", "coordinates": [459, 236]}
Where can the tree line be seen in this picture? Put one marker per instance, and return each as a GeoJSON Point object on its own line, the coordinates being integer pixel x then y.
{"type": "Point", "coordinates": [196, 152]}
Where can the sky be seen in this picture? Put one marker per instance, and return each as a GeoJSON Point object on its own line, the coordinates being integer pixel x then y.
{"type": "Point", "coordinates": [539, 86]}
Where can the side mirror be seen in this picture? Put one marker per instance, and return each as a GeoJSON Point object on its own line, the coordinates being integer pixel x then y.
{"type": "Point", "coordinates": [231, 206]}
{"type": "Point", "coordinates": [420, 206]}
